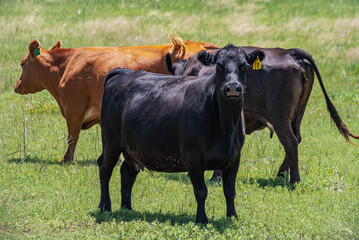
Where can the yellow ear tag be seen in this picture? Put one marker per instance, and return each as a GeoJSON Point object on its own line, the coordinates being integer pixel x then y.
{"type": "Point", "coordinates": [257, 64]}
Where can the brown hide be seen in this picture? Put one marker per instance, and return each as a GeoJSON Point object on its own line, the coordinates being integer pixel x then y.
{"type": "Point", "coordinates": [75, 76]}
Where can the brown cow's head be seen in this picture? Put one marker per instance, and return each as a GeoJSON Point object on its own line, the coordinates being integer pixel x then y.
{"type": "Point", "coordinates": [34, 65]}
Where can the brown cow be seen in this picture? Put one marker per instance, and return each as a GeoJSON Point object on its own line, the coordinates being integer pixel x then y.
{"type": "Point", "coordinates": [74, 76]}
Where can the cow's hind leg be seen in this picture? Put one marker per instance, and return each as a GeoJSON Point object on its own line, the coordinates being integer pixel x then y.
{"type": "Point", "coordinates": [128, 177]}
{"type": "Point", "coordinates": [217, 175]}
{"type": "Point", "coordinates": [229, 179]}
{"type": "Point", "coordinates": [290, 143]}
{"type": "Point", "coordinates": [196, 174]}
{"type": "Point", "coordinates": [306, 78]}
{"type": "Point", "coordinates": [106, 162]}
{"type": "Point", "coordinates": [284, 168]}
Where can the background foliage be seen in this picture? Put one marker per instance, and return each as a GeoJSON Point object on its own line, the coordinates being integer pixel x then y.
{"type": "Point", "coordinates": [41, 198]}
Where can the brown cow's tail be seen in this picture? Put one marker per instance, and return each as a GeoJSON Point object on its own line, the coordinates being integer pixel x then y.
{"type": "Point", "coordinates": [332, 110]}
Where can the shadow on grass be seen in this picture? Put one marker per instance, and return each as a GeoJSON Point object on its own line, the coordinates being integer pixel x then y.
{"type": "Point", "coordinates": [174, 219]}
{"type": "Point", "coordinates": [261, 182]}
{"type": "Point", "coordinates": [184, 178]}
{"type": "Point", "coordinates": [179, 177]}
{"type": "Point", "coordinates": [271, 182]}
{"type": "Point", "coordinates": [36, 160]}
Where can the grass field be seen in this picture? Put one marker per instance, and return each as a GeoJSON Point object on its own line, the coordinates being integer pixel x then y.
{"type": "Point", "coordinates": [43, 199]}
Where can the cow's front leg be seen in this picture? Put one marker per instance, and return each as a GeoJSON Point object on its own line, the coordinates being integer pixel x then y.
{"type": "Point", "coordinates": [196, 174]}
{"type": "Point", "coordinates": [229, 180]}
{"type": "Point", "coordinates": [74, 123]}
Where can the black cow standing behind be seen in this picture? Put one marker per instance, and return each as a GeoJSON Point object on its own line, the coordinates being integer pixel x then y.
{"type": "Point", "coordinates": [276, 97]}
{"type": "Point", "coordinates": [175, 124]}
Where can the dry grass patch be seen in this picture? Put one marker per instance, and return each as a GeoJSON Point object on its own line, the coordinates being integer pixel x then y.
{"type": "Point", "coordinates": [353, 54]}
{"type": "Point", "coordinates": [27, 24]}
{"type": "Point", "coordinates": [116, 28]}
{"type": "Point", "coordinates": [244, 23]}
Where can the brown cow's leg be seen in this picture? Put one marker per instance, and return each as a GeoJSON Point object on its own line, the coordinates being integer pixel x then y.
{"type": "Point", "coordinates": [74, 128]}
{"type": "Point", "coordinates": [106, 162]}
{"type": "Point", "coordinates": [229, 180]}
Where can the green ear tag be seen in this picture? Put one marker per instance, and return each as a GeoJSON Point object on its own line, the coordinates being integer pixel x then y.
{"type": "Point", "coordinates": [36, 51]}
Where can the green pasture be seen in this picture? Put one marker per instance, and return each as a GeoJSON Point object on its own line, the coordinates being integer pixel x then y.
{"type": "Point", "coordinates": [41, 198]}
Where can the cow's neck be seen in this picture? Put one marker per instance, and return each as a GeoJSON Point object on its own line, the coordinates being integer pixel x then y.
{"type": "Point", "coordinates": [54, 64]}
{"type": "Point", "coordinates": [231, 119]}
{"type": "Point", "coordinates": [55, 67]}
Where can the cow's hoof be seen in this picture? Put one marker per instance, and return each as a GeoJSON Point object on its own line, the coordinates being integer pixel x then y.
{"type": "Point", "coordinates": [64, 161]}
{"type": "Point", "coordinates": [104, 208]}
{"type": "Point", "coordinates": [233, 216]}
{"type": "Point", "coordinates": [126, 207]}
{"type": "Point", "coordinates": [283, 174]}
{"type": "Point", "coordinates": [202, 220]}
{"type": "Point", "coordinates": [217, 176]}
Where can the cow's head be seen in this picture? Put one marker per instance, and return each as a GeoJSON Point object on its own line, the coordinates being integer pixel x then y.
{"type": "Point", "coordinates": [33, 64]}
{"type": "Point", "coordinates": [231, 66]}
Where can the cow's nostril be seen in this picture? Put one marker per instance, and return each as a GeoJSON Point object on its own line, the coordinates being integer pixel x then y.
{"type": "Point", "coordinates": [227, 89]}
{"type": "Point", "coordinates": [238, 89]}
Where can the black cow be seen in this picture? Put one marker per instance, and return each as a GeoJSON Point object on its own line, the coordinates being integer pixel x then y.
{"type": "Point", "coordinates": [275, 97]}
{"type": "Point", "coordinates": [174, 124]}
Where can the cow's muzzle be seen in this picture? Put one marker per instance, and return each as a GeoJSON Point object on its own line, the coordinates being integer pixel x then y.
{"type": "Point", "coordinates": [18, 87]}
{"type": "Point", "coordinates": [233, 91]}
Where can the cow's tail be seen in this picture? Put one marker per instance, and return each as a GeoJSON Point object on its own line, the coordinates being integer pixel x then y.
{"type": "Point", "coordinates": [332, 110]}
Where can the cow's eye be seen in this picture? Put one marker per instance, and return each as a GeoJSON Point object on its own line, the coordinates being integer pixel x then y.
{"type": "Point", "coordinates": [245, 67]}
{"type": "Point", "coordinates": [219, 66]}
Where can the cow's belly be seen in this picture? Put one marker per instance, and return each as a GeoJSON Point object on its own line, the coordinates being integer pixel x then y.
{"type": "Point", "coordinates": [91, 117]}
{"type": "Point", "coordinates": [158, 161]}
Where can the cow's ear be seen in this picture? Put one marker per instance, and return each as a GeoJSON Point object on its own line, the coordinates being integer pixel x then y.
{"type": "Point", "coordinates": [34, 48]}
{"type": "Point", "coordinates": [57, 45]}
{"type": "Point", "coordinates": [253, 56]}
{"type": "Point", "coordinates": [169, 63]}
{"type": "Point", "coordinates": [206, 58]}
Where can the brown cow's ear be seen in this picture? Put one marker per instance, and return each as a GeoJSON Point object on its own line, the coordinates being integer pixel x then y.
{"type": "Point", "coordinates": [57, 45]}
{"type": "Point", "coordinates": [34, 48]}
